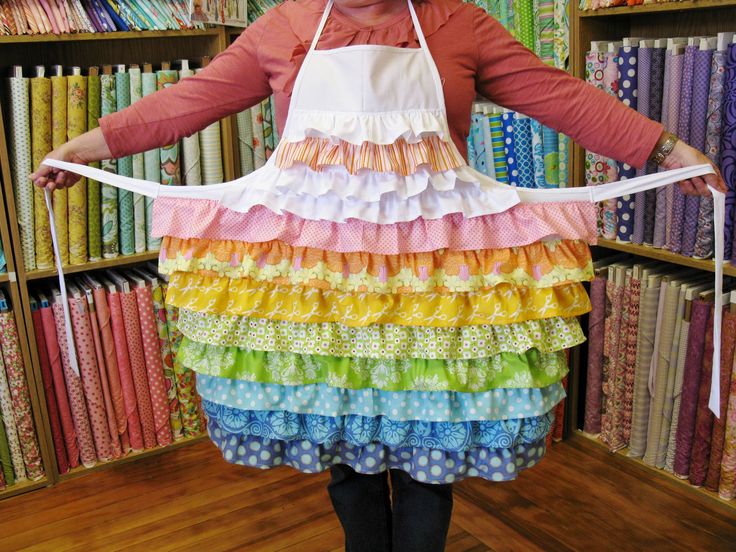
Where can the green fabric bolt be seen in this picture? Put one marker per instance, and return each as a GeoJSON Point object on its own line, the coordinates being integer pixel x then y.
{"type": "Point", "coordinates": [94, 199]}
{"type": "Point", "coordinates": [151, 166]}
{"type": "Point", "coordinates": [109, 194]}
{"type": "Point", "coordinates": [170, 162]}
{"type": "Point", "coordinates": [524, 23]}
{"type": "Point", "coordinates": [5, 460]}
{"type": "Point", "coordinates": [125, 168]}
{"type": "Point", "coordinates": [139, 201]}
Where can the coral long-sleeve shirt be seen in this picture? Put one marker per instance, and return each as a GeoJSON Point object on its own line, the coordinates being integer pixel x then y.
{"type": "Point", "coordinates": [474, 54]}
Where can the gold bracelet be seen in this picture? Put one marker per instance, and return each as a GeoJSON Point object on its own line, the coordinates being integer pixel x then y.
{"type": "Point", "coordinates": [664, 149]}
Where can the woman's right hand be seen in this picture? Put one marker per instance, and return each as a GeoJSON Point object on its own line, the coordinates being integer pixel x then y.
{"type": "Point", "coordinates": [84, 149]}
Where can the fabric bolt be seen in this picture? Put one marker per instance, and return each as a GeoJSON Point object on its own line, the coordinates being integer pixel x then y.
{"type": "Point", "coordinates": [211, 153]}
{"type": "Point", "coordinates": [6, 462]}
{"type": "Point", "coordinates": [619, 386]}
{"type": "Point", "coordinates": [628, 82]}
{"type": "Point", "coordinates": [644, 87]}
{"type": "Point", "coordinates": [703, 426]}
{"type": "Point", "coordinates": [152, 165]}
{"type": "Point", "coordinates": [608, 208]}
{"type": "Point", "coordinates": [267, 127]}
{"type": "Point", "coordinates": [104, 328]}
{"type": "Point", "coordinates": [94, 198]}
{"type": "Point", "coordinates": [661, 398]}
{"type": "Point", "coordinates": [75, 391]}
{"type": "Point", "coordinates": [648, 307]}
{"type": "Point", "coordinates": [77, 194]}
{"type": "Point", "coordinates": [131, 319]}
{"type": "Point", "coordinates": [538, 154]}
{"type": "Point", "coordinates": [90, 377]}
{"type": "Point", "coordinates": [245, 141]}
{"type": "Point", "coordinates": [728, 150]}
{"type": "Point", "coordinates": [718, 435]}
{"type": "Point", "coordinates": [596, 333]}
{"type": "Point", "coordinates": [62, 461]}
{"type": "Point", "coordinates": [524, 23]}
{"type": "Point", "coordinates": [522, 135]}
{"type": "Point", "coordinates": [138, 169]}
{"type": "Point", "coordinates": [105, 385]}
{"type": "Point", "coordinates": [41, 144]}
{"type": "Point", "coordinates": [611, 411]}
{"type": "Point", "coordinates": [170, 158]}
{"type": "Point", "coordinates": [690, 385]}
{"type": "Point", "coordinates": [501, 168]}
{"type": "Point", "coordinates": [551, 153]}
{"type": "Point", "coordinates": [478, 161]}
{"type": "Point", "coordinates": [672, 390]}
{"type": "Point", "coordinates": [675, 198]}
{"type": "Point", "coordinates": [682, 344]}
{"type": "Point", "coordinates": [631, 354]}
{"type": "Point", "coordinates": [167, 361]}
{"type": "Point", "coordinates": [191, 165]}
{"type": "Point", "coordinates": [154, 366]}
{"type": "Point", "coordinates": [714, 125]}
{"type": "Point", "coordinates": [127, 383]}
{"type": "Point", "coordinates": [21, 164]}
{"type": "Point", "coordinates": [727, 480]}
{"type": "Point", "coordinates": [185, 378]}
{"type": "Point", "coordinates": [19, 393]}
{"type": "Point", "coordinates": [259, 144]}
{"type": "Point", "coordinates": [656, 92]}
{"type": "Point", "coordinates": [51, 345]}
{"type": "Point", "coordinates": [14, 435]}
{"type": "Point", "coordinates": [126, 214]}
{"type": "Point", "coordinates": [58, 137]}
{"type": "Point", "coordinates": [109, 194]}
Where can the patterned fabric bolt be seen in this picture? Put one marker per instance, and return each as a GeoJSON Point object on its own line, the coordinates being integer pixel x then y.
{"type": "Point", "coordinates": [41, 144]}
{"type": "Point", "coordinates": [125, 168]}
{"type": "Point", "coordinates": [728, 150]}
{"type": "Point", "coordinates": [596, 333]}
{"type": "Point", "coordinates": [655, 112]}
{"type": "Point", "coordinates": [512, 161]}
{"type": "Point", "coordinates": [628, 79]}
{"type": "Point", "coordinates": [644, 78]}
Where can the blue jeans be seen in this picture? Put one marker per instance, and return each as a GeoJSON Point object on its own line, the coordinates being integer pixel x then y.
{"type": "Point", "coordinates": [415, 517]}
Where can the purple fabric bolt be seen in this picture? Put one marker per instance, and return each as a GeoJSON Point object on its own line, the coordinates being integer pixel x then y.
{"type": "Point", "coordinates": [690, 386]}
{"type": "Point", "coordinates": [655, 113]}
{"type": "Point", "coordinates": [683, 131]}
{"type": "Point", "coordinates": [594, 381]}
{"type": "Point", "coordinates": [698, 115]}
{"type": "Point", "coordinates": [643, 107]}
{"type": "Point", "coordinates": [714, 126]}
{"type": "Point", "coordinates": [728, 149]}
{"type": "Point", "coordinates": [627, 93]}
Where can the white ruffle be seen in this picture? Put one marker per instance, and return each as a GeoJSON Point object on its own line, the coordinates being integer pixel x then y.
{"type": "Point", "coordinates": [367, 185]}
{"type": "Point", "coordinates": [471, 199]}
{"type": "Point", "coordinates": [377, 128]}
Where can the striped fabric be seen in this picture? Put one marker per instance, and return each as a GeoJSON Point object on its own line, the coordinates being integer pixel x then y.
{"type": "Point", "coordinates": [400, 157]}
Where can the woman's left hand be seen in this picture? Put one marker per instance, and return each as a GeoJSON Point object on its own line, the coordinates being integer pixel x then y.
{"type": "Point", "coordinates": [685, 156]}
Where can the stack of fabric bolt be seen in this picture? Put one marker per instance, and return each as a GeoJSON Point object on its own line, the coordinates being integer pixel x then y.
{"type": "Point", "coordinates": [21, 17]}
{"type": "Point", "coordinates": [20, 457]}
{"type": "Point", "coordinates": [133, 393]}
{"type": "Point", "coordinates": [93, 221]}
{"type": "Point", "coordinates": [257, 135]}
{"type": "Point", "coordinates": [649, 372]}
{"type": "Point", "coordinates": [688, 84]}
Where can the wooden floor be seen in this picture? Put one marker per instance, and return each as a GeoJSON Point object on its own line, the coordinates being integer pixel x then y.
{"type": "Point", "coordinates": [578, 498]}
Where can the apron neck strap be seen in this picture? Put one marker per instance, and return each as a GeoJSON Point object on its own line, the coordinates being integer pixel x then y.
{"type": "Point", "coordinates": [328, 9]}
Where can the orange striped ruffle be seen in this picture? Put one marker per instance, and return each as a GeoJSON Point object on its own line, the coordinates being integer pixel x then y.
{"type": "Point", "coordinates": [400, 157]}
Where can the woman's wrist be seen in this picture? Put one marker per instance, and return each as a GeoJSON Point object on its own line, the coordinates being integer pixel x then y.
{"type": "Point", "coordinates": [664, 147]}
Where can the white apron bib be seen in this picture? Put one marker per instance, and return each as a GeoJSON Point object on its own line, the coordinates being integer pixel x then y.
{"type": "Point", "coordinates": [381, 94]}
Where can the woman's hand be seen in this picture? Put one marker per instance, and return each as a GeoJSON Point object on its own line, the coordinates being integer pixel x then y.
{"type": "Point", "coordinates": [84, 149]}
{"type": "Point", "coordinates": [685, 156]}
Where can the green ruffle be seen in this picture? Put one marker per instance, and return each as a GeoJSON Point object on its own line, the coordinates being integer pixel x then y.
{"type": "Point", "coordinates": [532, 369]}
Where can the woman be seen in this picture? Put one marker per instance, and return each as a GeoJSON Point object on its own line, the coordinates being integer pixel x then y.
{"type": "Point", "coordinates": [334, 204]}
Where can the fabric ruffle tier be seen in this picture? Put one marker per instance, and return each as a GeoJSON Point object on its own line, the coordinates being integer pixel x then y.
{"type": "Point", "coordinates": [380, 305]}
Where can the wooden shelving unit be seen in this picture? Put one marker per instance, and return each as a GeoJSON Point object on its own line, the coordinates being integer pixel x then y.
{"type": "Point", "coordinates": [84, 49]}
{"type": "Point", "coordinates": [659, 20]}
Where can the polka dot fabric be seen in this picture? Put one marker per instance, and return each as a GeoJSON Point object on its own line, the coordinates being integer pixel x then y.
{"type": "Point", "coordinates": [154, 366]}
{"type": "Point", "coordinates": [425, 465]}
{"type": "Point", "coordinates": [133, 335]}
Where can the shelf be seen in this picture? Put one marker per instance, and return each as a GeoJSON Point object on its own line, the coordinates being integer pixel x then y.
{"type": "Point", "coordinates": [24, 487]}
{"type": "Point", "coordinates": [81, 470]}
{"type": "Point", "coordinates": [663, 7]}
{"type": "Point", "coordinates": [123, 260]}
{"type": "Point", "coordinates": [118, 35]}
{"type": "Point", "coordinates": [4, 277]}
{"type": "Point", "coordinates": [664, 255]}
{"type": "Point", "coordinates": [590, 441]}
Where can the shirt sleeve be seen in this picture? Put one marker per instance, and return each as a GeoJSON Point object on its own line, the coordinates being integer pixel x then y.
{"type": "Point", "coordinates": [233, 81]}
{"type": "Point", "coordinates": [512, 76]}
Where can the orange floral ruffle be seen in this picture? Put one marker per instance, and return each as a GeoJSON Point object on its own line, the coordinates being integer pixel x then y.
{"type": "Point", "coordinates": [400, 157]}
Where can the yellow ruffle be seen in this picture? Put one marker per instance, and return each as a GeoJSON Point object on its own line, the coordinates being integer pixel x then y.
{"type": "Point", "coordinates": [537, 265]}
{"type": "Point", "coordinates": [503, 304]}
{"type": "Point", "coordinates": [400, 157]}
